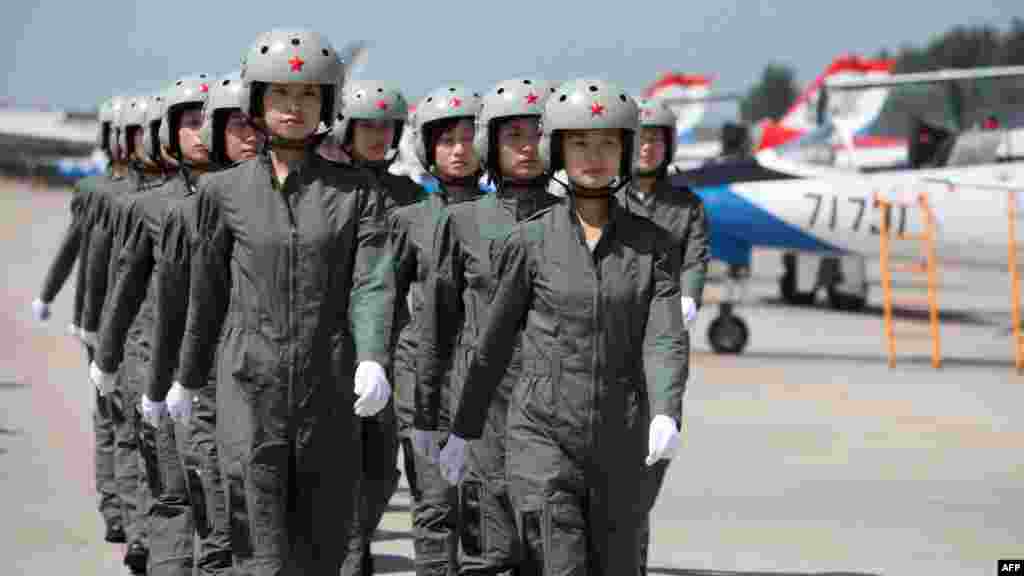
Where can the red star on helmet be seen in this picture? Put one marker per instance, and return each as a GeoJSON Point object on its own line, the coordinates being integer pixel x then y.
{"type": "Point", "coordinates": [382, 105]}
{"type": "Point", "coordinates": [204, 88]}
{"type": "Point", "coordinates": [531, 98]}
{"type": "Point", "coordinates": [455, 102]}
{"type": "Point", "coordinates": [596, 109]}
{"type": "Point", "coordinates": [296, 63]}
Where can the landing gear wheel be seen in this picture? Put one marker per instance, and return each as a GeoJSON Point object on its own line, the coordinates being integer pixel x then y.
{"type": "Point", "coordinates": [728, 334]}
{"type": "Point", "coordinates": [845, 302]}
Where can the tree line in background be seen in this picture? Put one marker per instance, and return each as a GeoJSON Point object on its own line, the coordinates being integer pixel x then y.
{"type": "Point", "coordinates": [960, 47]}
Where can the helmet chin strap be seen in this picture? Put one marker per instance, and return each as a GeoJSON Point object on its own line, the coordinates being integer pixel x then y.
{"type": "Point", "coordinates": [358, 160]}
{"type": "Point", "coordinates": [273, 141]}
{"type": "Point", "coordinates": [602, 192]}
{"type": "Point", "coordinates": [464, 181]}
{"type": "Point", "coordinates": [501, 183]}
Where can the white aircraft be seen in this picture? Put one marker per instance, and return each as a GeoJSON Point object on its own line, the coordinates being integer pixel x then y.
{"type": "Point", "coordinates": [61, 141]}
{"type": "Point", "coordinates": [769, 200]}
{"type": "Point", "coordinates": [689, 95]}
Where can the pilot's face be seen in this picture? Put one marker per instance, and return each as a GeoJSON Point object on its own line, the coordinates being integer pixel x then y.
{"type": "Point", "coordinates": [592, 157]}
{"type": "Point", "coordinates": [652, 148]}
{"type": "Point", "coordinates": [371, 139]}
{"type": "Point", "coordinates": [454, 156]}
{"type": "Point", "coordinates": [192, 147]}
{"type": "Point", "coordinates": [138, 142]}
{"type": "Point", "coordinates": [292, 111]}
{"type": "Point", "coordinates": [517, 148]}
{"type": "Point", "coordinates": [241, 140]}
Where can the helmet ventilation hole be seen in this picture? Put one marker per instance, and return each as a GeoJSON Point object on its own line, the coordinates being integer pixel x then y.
{"type": "Point", "coordinates": [296, 41]}
{"type": "Point", "coordinates": [593, 88]}
{"type": "Point", "coordinates": [264, 49]}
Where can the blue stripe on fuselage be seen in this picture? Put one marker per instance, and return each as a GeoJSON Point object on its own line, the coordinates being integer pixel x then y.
{"type": "Point", "coordinates": [738, 224]}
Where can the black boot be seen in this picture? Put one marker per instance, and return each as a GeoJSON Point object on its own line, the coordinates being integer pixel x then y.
{"type": "Point", "coordinates": [115, 534]}
{"type": "Point", "coordinates": [367, 560]}
{"type": "Point", "coordinates": [136, 558]}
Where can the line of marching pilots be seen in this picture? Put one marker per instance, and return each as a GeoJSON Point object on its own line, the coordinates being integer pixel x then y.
{"type": "Point", "coordinates": [286, 278]}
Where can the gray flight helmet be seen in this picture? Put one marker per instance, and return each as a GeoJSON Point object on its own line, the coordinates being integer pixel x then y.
{"type": "Point", "coordinates": [655, 114]}
{"type": "Point", "coordinates": [369, 100]}
{"type": "Point", "coordinates": [133, 115]}
{"type": "Point", "coordinates": [447, 102]}
{"type": "Point", "coordinates": [151, 130]}
{"type": "Point", "coordinates": [222, 101]}
{"type": "Point", "coordinates": [507, 99]}
{"type": "Point", "coordinates": [186, 91]}
{"type": "Point", "coordinates": [588, 104]}
{"type": "Point", "coordinates": [290, 56]}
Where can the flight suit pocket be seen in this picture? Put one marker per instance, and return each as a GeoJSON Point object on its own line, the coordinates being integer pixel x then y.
{"type": "Point", "coordinates": [564, 535]}
{"type": "Point", "coordinates": [251, 362]}
{"type": "Point", "coordinates": [536, 396]}
{"type": "Point", "coordinates": [471, 532]}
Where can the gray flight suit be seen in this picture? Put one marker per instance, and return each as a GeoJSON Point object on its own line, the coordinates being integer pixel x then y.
{"type": "Point", "coordinates": [413, 230]}
{"type": "Point", "coordinates": [104, 267]}
{"type": "Point", "coordinates": [380, 432]}
{"type": "Point", "coordinates": [125, 342]}
{"type": "Point", "coordinates": [602, 349]}
{"type": "Point", "coordinates": [170, 304]}
{"type": "Point", "coordinates": [456, 300]}
{"type": "Point", "coordinates": [680, 214]}
{"type": "Point", "coordinates": [291, 286]}
{"type": "Point", "coordinates": [75, 247]}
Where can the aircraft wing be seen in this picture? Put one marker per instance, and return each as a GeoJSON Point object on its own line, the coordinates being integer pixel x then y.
{"type": "Point", "coordinates": [937, 76]}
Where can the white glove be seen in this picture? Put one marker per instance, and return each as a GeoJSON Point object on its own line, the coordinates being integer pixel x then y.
{"type": "Point", "coordinates": [372, 388]}
{"type": "Point", "coordinates": [179, 404]}
{"type": "Point", "coordinates": [663, 439]}
{"type": "Point", "coordinates": [104, 382]}
{"type": "Point", "coordinates": [427, 443]}
{"type": "Point", "coordinates": [453, 459]}
{"type": "Point", "coordinates": [153, 412]}
{"type": "Point", "coordinates": [40, 310]}
{"type": "Point", "coordinates": [89, 338]}
{"type": "Point", "coordinates": [689, 312]}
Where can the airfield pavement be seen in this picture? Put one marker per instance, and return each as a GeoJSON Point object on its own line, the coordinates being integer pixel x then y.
{"type": "Point", "coordinates": [806, 454]}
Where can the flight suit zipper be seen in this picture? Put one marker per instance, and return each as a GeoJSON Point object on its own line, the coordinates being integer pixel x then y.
{"type": "Point", "coordinates": [292, 232]}
{"type": "Point", "coordinates": [591, 391]}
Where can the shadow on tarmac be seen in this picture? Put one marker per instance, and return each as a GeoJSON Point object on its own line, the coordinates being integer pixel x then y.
{"type": "Point", "coordinates": [916, 360]}
{"type": "Point", "coordinates": [898, 312]}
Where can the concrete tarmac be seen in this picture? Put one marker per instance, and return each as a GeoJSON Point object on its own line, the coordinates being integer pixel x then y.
{"type": "Point", "coordinates": [807, 454]}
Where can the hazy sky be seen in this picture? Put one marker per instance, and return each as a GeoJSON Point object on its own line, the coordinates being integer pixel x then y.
{"type": "Point", "coordinates": [74, 53]}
